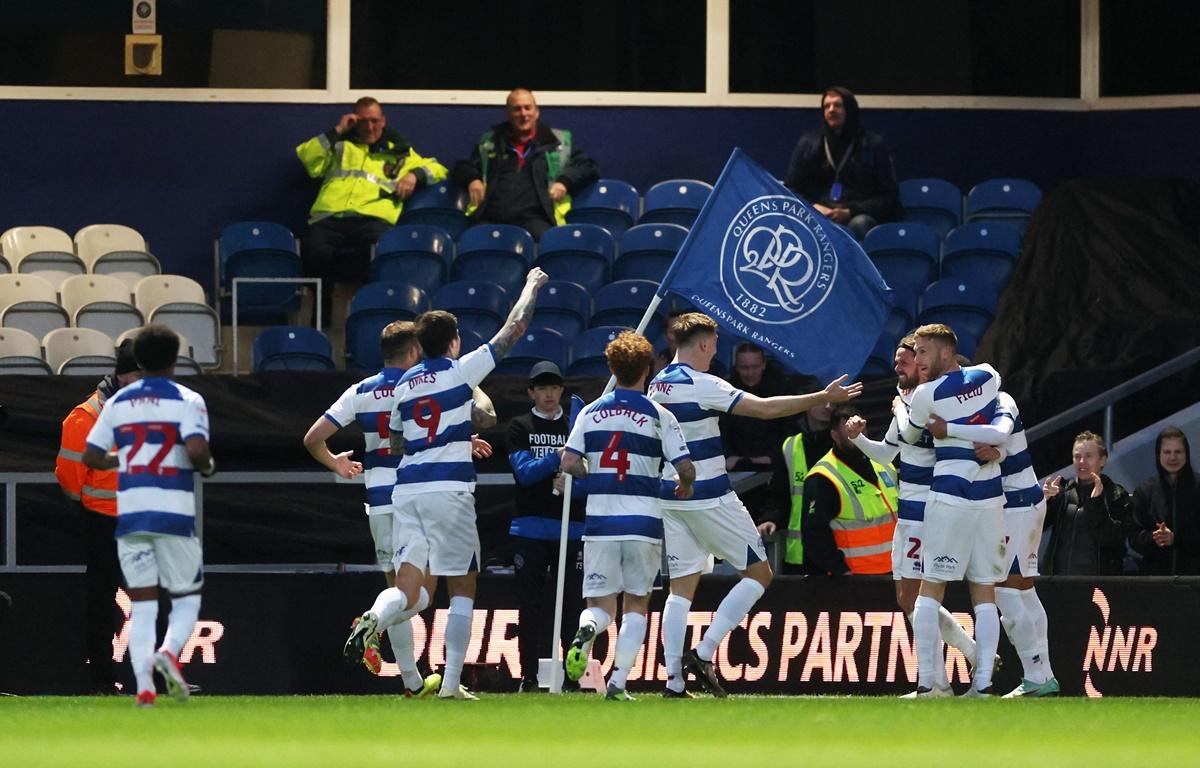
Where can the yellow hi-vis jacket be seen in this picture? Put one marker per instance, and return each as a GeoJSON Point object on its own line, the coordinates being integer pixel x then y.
{"type": "Point", "coordinates": [361, 180]}
{"type": "Point", "coordinates": [797, 468]}
{"type": "Point", "coordinates": [866, 521]}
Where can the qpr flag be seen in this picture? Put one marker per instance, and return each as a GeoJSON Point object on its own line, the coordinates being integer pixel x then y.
{"type": "Point", "coordinates": [773, 271]}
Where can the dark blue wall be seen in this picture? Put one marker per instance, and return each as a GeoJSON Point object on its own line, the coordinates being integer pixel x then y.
{"type": "Point", "coordinates": [179, 172]}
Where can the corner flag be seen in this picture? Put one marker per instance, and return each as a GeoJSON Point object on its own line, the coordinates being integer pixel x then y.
{"type": "Point", "coordinates": [773, 271]}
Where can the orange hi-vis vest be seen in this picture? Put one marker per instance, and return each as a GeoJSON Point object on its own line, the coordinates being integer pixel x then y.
{"type": "Point", "coordinates": [96, 489]}
{"type": "Point", "coordinates": [866, 520]}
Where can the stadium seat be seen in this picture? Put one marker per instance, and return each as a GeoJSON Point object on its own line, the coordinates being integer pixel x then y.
{"type": "Point", "coordinates": [5, 267]}
{"type": "Point", "coordinates": [80, 352]}
{"type": "Point", "coordinates": [882, 360]}
{"type": "Point", "coordinates": [536, 345]}
{"type": "Point", "coordinates": [562, 306]}
{"type": "Point", "coordinates": [45, 251]}
{"type": "Point", "coordinates": [647, 251]}
{"type": "Point", "coordinates": [470, 340]}
{"type": "Point", "coordinates": [1012, 200]}
{"type": "Point", "coordinates": [185, 363]}
{"type": "Point", "coordinates": [624, 302]}
{"type": "Point", "coordinates": [587, 351]}
{"type": "Point", "coordinates": [675, 202]}
{"type": "Point", "coordinates": [100, 302]}
{"type": "Point", "coordinates": [479, 306]}
{"type": "Point", "coordinates": [498, 253]}
{"type": "Point", "coordinates": [21, 353]}
{"type": "Point", "coordinates": [373, 307]}
{"type": "Point", "coordinates": [905, 253]}
{"type": "Point", "coordinates": [967, 343]}
{"type": "Point", "coordinates": [967, 306]}
{"type": "Point", "coordinates": [581, 253]}
{"type": "Point", "coordinates": [936, 203]}
{"type": "Point", "coordinates": [983, 250]}
{"type": "Point", "coordinates": [902, 312]}
{"type": "Point", "coordinates": [260, 249]}
{"type": "Point", "coordinates": [418, 254]}
{"type": "Point", "coordinates": [440, 205]}
{"type": "Point", "coordinates": [178, 302]}
{"type": "Point", "coordinates": [292, 348]}
{"type": "Point", "coordinates": [608, 203]}
{"type": "Point", "coordinates": [29, 302]}
{"type": "Point", "coordinates": [117, 251]}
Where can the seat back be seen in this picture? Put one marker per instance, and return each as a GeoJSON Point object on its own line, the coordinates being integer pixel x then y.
{"type": "Point", "coordinates": [902, 311]}
{"type": "Point", "coordinates": [29, 302]}
{"type": "Point", "coordinates": [480, 306]}
{"type": "Point", "coordinates": [419, 254]}
{"type": "Point", "coordinates": [536, 345]}
{"type": "Point", "coordinates": [441, 205]}
{"type": "Point", "coordinates": [260, 249]}
{"type": "Point", "coordinates": [905, 253]}
{"type": "Point", "coordinates": [647, 251]}
{"type": "Point", "coordinates": [500, 253]}
{"type": "Point", "coordinates": [936, 203]}
{"type": "Point", "coordinates": [156, 290]}
{"type": "Point", "coordinates": [623, 303]}
{"type": "Point", "coordinates": [373, 308]}
{"type": "Point", "coordinates": [96, 240]}
{"type": "Point", "coordinates": [581, 253]}
{"type": "Point", "coordinates": [21, 353]}
{"type": "Point", "coordinates": [880, 363]}
{"type": "Point", "coordinates": [676, 201]}
{"type": "Point", "coordinates": [563, 306]}
{"type": "Point", "coordinates": [17, 288]}
{"type": "Point", "coordinates": [587, 351]}
{"type": "Point", "coordinates": [1011, 199]}
{"type": "Point", "coordinates": [81, 290]}
{"type": "Point", "coordinates": [967, 306]}
{"type": "Point", "coordinates": [982, 249]}
{"type": "Point", "coordinates": [21, 242]}
{"type": "Point", "coordinates": [609, 203]}
{"type": "Point", "coordinates": [87, 347]}
{"type": "Point", "coordinates": [292, 348]}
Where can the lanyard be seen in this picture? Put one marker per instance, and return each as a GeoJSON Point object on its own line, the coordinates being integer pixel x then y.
{"type": "Point", "coordinates": [837, 169]}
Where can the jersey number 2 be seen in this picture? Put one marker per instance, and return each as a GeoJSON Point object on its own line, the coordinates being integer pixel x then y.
{"type": "Point", "coordinates": [614, 458]}
{"type": "Point", "coordinates": [140, 434]}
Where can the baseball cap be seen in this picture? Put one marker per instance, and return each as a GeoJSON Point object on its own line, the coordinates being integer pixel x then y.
{"type": "Point", "coordinates": [545, 372]}
{"type": "Point", "coordinates": [126, 362]}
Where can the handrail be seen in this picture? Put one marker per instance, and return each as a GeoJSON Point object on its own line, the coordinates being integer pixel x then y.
{"type": "Point", "coordinates": [1106, 399]}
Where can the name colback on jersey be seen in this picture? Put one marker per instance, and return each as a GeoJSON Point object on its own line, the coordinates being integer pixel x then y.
{"type": "Point", "coordinates": [149, 422]}
{"type": "Point", "coordinates": [433, 412]}
{"type": "Point", "coordinates": [965, 396]}
{"type": "Point", "coordinates": [625, 438]}
{"type": "Point", "coordinates": [697, 399]}
{"type": "Point", "coordinates": [370, 403]}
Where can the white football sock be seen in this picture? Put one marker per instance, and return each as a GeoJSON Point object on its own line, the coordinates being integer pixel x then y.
{"type": "Point", "coordinates": [180, 623]}
{"type": "Point", "coordinates": [730, 612]}
{"type": "Point", "coordinates": [940, 679]}
{"type": "Point", "coordinates": [954, 635]}
{"type": "Point", "coordinates": [1037, 613]}
{"type": "Point", "coordinates": [401, 638]}
{"type": "Point", "coordinates": [674, 631]}
{"type": "Point", "coordinates": [389, 604]}
{"type": "Point", "coordinates": [629, 642]}
{"type": "Point", "coordinates": [143, 614]}
{"type": "Point", "coordinates": [458, 637]}
{"type": "Point", "coordinates": [929, 644]}
{"type": "Point", "coordinates": [598, 618]}
{"type": "Point", "coordinates": [1021, 632]}
{"type": "Point", "coordinates": [987, 637]}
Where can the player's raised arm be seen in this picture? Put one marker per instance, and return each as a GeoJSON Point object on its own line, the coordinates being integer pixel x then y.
{"type": "Point", "coordinates": [788, 405]}
{"type": "Point", "coordinates": [521, 314]}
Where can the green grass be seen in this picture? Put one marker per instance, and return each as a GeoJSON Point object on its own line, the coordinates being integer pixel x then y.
{"type": "Point", "coordinates": [582, 730]}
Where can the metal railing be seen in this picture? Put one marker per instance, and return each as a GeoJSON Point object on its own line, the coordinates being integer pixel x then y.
{"type": "Point", "coordinates": [1107, 399]}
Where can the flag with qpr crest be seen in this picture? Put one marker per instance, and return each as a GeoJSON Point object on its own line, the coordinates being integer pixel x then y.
{"type": "Point", "coordinates": [771, 270]}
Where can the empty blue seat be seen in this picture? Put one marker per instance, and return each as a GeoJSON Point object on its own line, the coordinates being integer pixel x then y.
{"type": "Point", "coordinates": [581, 253]}
{"type": "Point", "coordinates": [480, 306]}
{"type": "Point", "coordinates": [563, 306]}
{"type": "Point", "coordinates": [647, 251]}
{"type": "Point", "coordinates": [292, 348]}
{"type": "Point", "coordinates": [498, 253]}
{"type": "Point", "coordinates": [536, 345]}
{"type": "Point", "coordinates": [440, 205]}
{"type": "Point", "coordinates": [418, 254]}
{"type": "Point", "coordinates": [984, 250]}
{"type": "Point", "coordinates": [675, 202]}
{"type": "Point", "coordinates": [967, 306]}
{"type": "Point", "coordinates": [624, 302]}
{"type": "Point", "coordinates": [936, 203]}
{"type": "Point", "coordinates": [470, 340]}
{"type": "Point", "coordinates": [373, 307]}
{"type": "Point", "coordinates": [1013, 200]}
{"type": "Point", "coordinates": [902, 312]}
{"type": "Point", "coordinates": [260, 249]}
{"type": "Point", "coordinates": [882, 360]}
{"type": "Point", "coordinates": [587, 351]}
{"type": "Point", "coordinates": [608, 203]}
{"type": "Point", "coordinates": [905, 253]}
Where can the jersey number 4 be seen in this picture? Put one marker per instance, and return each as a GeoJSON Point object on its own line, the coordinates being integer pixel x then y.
{"type": "Point", "coordinates": [614, 458]}
{"type": "Point", "coordinates": [141, 433]}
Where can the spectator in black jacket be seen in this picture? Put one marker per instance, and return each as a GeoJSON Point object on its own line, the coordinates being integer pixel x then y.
{"type": "Point", "coordinates": [844, 170]}
{"type": "Point", "coordinates": [523, 172]}
{"type": "Point", "coordinates": [1166, 511]}
{"type": "Point", "coordinates": [1089, 516]}
{"type": "Point", "coordinates": [535, 445]}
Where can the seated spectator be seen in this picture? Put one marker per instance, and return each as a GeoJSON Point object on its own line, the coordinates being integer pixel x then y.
{"type": "Point", "coordinates": [1166, 511]}
{"type": "Point", "coordinates": [1088, 516]}
{"type": "Point", "coordinates": [843, 170]}
{"type": "Point", "coordinates": [367, 170]}
{"type": "Point", "coordinates": [844, 491]}
{"type": "Point", "coordinates": [523, 172]}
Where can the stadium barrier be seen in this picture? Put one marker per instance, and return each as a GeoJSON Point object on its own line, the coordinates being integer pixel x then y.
{"type": "Point", "coordinates": [283, 633]}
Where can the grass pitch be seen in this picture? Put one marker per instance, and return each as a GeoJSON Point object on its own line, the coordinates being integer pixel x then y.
{"type": "Point", "coordinates": [584, 729]}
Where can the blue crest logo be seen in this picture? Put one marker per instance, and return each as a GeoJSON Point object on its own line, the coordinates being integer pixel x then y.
{"type": "Point", "coordinates": [777, 262]}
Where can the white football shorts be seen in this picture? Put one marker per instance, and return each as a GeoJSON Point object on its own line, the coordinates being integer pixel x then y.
{"type": "Point", "coordinates": [1023, 527]}
{"type": "Point", "coordinates": [611, 566]}
{"type": "Point", "coordinates": [906, 550]}
{"type": "Point", "coordinates": [381, 537]}
{"type": "Point", "coordinates": [726, 531]}
{"type": "Point", "coordinates": [154, 559]}
{"type": "Point", "coordinates": [436, 529]}
{"type": "Point", "coordinates": [964, 542]}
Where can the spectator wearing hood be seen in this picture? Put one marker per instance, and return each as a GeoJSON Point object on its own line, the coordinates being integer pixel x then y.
{"type": "Point", "coordinates": [1166, 511]}
{"type": "Point", "coordinates": [844, 170]}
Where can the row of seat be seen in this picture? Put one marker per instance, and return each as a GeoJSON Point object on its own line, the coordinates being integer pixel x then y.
{"type": "Point", "coordinates": [909, 254]}
{"type": "Point", "coordinates": [105, 304]}
{"type": "Point", "coordinates": [103, 249]}
{"type": "Point", "coordinates": [73, 351]}
{"type": "Point", "coordinates": [941, 205]}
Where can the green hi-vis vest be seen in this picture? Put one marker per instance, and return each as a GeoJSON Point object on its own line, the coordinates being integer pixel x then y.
{"type": "Point", "coordinates": [866, 520]}
{"type": "Point", "coordinates": [555, 162]}
{"type": "Point", "coordinates": [797, 469]}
